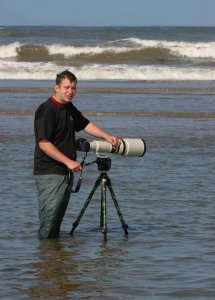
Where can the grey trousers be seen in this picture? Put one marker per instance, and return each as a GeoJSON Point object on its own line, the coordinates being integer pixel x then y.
{"type": "Point", "coordinates": [53, 198]}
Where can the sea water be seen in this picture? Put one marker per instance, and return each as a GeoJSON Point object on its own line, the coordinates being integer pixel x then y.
{"type": "Point", "coordinates": [120, 53]}
{"type": "Point", "coordinates": [166, 196]}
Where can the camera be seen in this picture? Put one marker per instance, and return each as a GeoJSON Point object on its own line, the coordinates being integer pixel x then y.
{"type": "Point", "coordinates": [127, 147]}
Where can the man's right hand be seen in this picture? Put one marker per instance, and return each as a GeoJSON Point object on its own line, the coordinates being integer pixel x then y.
{"type": "Point", "coordinates": [74, 166]}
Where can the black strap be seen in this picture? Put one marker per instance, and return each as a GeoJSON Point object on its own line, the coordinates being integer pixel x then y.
{"type": "Point", "coordinates": [78, 185]}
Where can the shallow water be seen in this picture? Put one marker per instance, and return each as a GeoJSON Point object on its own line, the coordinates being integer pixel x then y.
{"type": "Point", "coordinates": [166, 197]}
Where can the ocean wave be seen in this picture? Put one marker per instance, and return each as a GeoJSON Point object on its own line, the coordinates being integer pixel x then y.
{"type": "Point", "coordinates": [184, 49]}
{"type": "Point", "coordinates": [133, 50]}
{"type": "Point", "coordinates": [177, 49]}
{"type": "Point", "coordinates": [48, 70]}
{"type": "Point", "coordinates": [123, 59]}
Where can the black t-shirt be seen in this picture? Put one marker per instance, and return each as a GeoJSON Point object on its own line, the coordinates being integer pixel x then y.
{"type": "Point", "coordinates": [57, 123]}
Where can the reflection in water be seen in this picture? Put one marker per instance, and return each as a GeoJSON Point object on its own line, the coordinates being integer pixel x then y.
{"type": "Point", "coordinates": [54, 271]}
{"type": "Point", "coordinates": [62, 273]}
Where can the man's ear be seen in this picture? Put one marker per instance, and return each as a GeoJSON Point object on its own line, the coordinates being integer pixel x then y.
{"type": "Point", "coordinates": [56, 88]}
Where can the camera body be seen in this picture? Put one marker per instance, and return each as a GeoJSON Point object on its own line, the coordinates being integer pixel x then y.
{"type": "Point", "coordinates": [82, 145]}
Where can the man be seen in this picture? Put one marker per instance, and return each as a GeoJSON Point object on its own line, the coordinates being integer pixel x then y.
{"type": "Point", "coordinates": [56, 122]}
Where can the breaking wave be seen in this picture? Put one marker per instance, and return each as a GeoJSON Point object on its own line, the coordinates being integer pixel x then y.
{"type": "Point", "coordinates": [124, 59]}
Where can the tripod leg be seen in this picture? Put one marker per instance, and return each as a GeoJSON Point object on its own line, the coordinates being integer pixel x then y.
{"type": "Point", "coordinates": [124, 226]}
{"type": "Point", "coordinates": [103, 219]}
{"type": "Point", "coordinates": [75, 224]}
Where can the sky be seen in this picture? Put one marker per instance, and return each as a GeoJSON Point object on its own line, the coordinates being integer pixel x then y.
{"type": "Point", "coordinates": [108, 12]}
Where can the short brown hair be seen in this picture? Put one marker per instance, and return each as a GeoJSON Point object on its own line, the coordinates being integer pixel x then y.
{"type": "Point", "coordinates": [65, 74]}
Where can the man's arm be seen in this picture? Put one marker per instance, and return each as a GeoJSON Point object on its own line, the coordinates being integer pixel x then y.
{"type": "Point", "coordinates": [94, 130]}
{"type": "Point", "coordinates": [49, 149]}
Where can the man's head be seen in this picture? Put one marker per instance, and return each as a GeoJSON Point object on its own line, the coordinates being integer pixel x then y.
{"type": "Point", "coordinates": [65, 87]}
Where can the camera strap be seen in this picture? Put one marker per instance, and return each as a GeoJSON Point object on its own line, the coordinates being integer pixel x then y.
{"type": "Point", "coordinates": [71, 177]}
{"type": "Point", "coordinates": [70, 184]}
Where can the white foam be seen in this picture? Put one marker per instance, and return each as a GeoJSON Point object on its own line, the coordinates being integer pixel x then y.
{"type": "Point", "coordinates": [27, 70]}
{"type": "Point", "coordinates": [125, 72]}
{"type": "Point", "coordinates": [9, 50]}
{"type": "Point", "coordinates": [71, 51]}
{"type": "Point", "coordinates": [47, 71]}
{"type": "Point", "coordinates": [187, 49]}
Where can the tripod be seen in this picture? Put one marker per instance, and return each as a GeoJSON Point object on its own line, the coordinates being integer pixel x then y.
{"type": "Point", "coordinates": [104, 164]}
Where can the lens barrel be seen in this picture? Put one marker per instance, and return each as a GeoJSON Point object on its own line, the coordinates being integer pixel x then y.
{"type": "Point", "coordinates": [127, 147]}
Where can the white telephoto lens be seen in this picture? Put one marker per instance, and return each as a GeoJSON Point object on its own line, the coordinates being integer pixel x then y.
{"type": "Point", "coordinates": [127, 147]}
{"type": "Point", "coordinates": [134, 147]}
{"type": "Point", "coordinates": [100, 146]}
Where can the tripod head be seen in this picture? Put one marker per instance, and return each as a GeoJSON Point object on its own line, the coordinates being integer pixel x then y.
{"type": "Point", "coordinates": [104, 163]}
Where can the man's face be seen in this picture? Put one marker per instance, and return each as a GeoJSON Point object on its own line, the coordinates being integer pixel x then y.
{"type": "Point", "coordinates": [65, 92]}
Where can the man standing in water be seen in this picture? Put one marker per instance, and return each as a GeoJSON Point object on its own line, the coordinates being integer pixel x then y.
{"type": "Point", "coordinates": [55, 124]}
